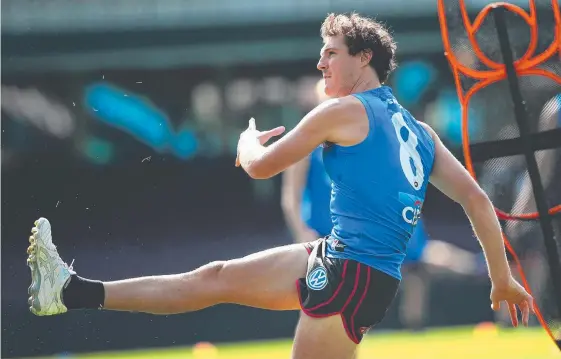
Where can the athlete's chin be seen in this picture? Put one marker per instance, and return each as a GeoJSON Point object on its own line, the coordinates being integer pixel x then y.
{"type": "Point", "coordinates": [329, 91]}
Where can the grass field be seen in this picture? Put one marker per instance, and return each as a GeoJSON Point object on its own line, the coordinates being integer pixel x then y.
{"type": "Point", "coordinates": [459, 343]}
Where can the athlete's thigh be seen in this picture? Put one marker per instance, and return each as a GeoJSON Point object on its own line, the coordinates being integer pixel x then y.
{"type": "Point", "coordinates": [266, 279]}
{"type": "Point", "coordinates": [322, 338]}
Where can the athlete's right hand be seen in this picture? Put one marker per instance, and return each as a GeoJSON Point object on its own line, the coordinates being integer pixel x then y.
{"type": "Point", "coordinates": [514, 295]}
{"type": "Point", "coordinates": [251, 134]}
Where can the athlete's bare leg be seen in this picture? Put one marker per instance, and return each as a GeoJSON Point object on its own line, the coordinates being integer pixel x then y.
{"type": "Point", "coordinates": [321, 338]}
{"type": "Point", "coordinates": [264, 280]}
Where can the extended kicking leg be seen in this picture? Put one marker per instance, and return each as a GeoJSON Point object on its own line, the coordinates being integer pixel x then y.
{"type": "Point", "coordinates": [247, 281]}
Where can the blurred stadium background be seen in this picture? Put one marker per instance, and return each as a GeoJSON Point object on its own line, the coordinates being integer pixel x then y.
{"type": "Point", "coordinates": [120, 121]}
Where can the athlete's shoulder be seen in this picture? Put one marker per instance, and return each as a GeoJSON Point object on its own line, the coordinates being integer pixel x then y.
{"type": "Point", "coordinates": [341, 107]}
{"type": "Point", "coordinates": [348, 110]}
{"type": "Point", "coordinates": [348, 120]}
{"type": "Point", "coordinates": [338, 113]}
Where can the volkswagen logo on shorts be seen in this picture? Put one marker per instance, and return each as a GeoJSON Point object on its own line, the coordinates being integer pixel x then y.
{"type": "Point", "coordinates": [317, 279]}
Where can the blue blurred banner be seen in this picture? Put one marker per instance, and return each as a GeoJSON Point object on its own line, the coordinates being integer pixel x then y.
{"type": "Point", "coordinates": [138, 117]}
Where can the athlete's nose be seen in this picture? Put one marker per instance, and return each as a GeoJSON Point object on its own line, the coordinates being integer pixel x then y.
{"type": "Point", "coordinates": [322, 66]}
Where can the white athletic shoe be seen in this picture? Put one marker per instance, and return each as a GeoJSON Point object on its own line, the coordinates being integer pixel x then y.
{"type": "Point", "coordinates": [49, 274]}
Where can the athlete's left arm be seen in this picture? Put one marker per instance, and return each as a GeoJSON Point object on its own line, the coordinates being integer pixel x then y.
{"type": "Point", "coordinates": [317, 127]}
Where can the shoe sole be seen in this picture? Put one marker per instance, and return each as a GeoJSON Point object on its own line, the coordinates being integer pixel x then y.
{"type": "Point", "coordinates": [35, 287]}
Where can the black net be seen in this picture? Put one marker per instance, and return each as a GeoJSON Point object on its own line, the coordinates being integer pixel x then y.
{"type": "Point", "coordinates": [492, 117]}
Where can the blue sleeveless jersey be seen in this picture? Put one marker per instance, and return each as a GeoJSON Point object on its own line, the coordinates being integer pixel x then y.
{"type": "Point", "coordinates": [317, 196]}
{"type": "Point", "coordinates": [379, 185]}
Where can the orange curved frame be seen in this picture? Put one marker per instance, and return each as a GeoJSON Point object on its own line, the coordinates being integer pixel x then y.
{"type": "Point", "coordinates": [524, 66]}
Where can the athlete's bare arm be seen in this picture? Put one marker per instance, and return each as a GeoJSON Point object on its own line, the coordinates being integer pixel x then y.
{"type": "Point", "coordinates": [450, 177]}
{"type": "Point", "coordinates": [342, 121]}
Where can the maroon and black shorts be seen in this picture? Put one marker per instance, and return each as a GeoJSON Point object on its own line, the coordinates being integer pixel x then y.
{"type": "Point", "coordinates": [357, 292]}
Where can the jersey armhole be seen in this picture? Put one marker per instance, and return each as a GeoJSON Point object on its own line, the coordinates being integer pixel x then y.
{"type": "Point", "coordinates": [371, 118]}
{"type": "Point", "coordinates": [433, 147]}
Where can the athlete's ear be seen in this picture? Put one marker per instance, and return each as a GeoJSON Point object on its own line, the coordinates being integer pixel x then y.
{"type": "Point", "coordinates": [365, 57]}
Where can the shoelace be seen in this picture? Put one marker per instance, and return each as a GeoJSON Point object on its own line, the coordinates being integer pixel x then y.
{"type": "Point", "coordinates": [70, 267]}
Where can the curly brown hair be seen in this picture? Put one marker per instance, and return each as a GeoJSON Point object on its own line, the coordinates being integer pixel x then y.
{"type": "Point", "coordinates": [364, 34]}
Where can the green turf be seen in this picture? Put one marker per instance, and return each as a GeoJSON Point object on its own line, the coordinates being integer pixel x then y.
{"type": "Point", "coordinates": [457, 343]}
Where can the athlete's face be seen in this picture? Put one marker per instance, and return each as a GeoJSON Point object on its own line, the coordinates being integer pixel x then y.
{"type": "Point", "coordinates": [340, 70]}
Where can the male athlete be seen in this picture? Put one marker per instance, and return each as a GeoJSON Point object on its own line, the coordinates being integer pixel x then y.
{"type": "Point", "coordinates": [380, 160]}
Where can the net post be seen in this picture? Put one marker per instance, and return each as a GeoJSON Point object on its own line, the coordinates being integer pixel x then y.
{"type": "Point", "coordinates": [521, 117]}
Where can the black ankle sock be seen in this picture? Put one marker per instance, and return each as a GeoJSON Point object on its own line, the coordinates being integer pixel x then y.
{"type": "Point", "coordinates": [81, 293]}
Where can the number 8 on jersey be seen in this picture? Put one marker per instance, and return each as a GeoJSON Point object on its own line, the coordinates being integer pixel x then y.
{"type": "Point", "coordinates": [409, 156]}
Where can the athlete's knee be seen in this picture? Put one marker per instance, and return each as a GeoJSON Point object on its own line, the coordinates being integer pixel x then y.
{"type": "Point", "coordinates": [212, 273]}
{"type": "Point", "coordinates": [225, 279]}
{"type": "Point", "coordinates": [202, 288]}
